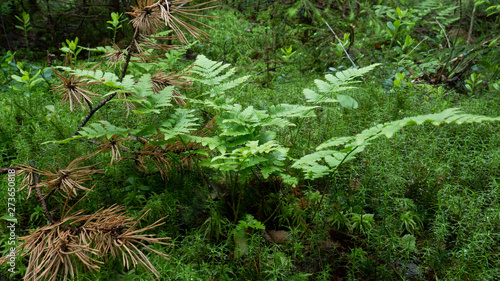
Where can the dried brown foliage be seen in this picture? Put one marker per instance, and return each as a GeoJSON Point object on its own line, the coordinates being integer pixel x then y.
{"type": "Point", "coordinates": [58, 250]}
{"type": "Point", "coordinates": [149, 15]}
{"type": "Point", "coordinates": [73, 90]}
{"type": "Point", "coordinates": [160, 80]}
{"type": "Point", "coordinates": [67, 181]}
{"type": "Point", "coordinates": [114, 144]}
{"type": "Point", "coordinates": [115, 57]}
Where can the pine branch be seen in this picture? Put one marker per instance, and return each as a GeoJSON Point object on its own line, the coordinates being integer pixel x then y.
{"type": "Point", "coordinates": [110, 97]}
{"type": "Point", "coordinates": [41, 198]}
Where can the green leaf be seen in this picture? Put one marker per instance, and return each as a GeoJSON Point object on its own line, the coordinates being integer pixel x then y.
{"type": "Point", "coordinates": [179, 123]}
{"type": "Point", "coordinates": [9, 219]}
{"type": "Point", "coordinates": [312, 164]}
{"type": "Point", "coordinates": [342, 81]}
{"type": "Point", "coordinates": [391, 26]}
{"type": "Point", "coordinates": [17, 78]}
{"type": "Point", "coordinates": [292, 110]}
{"type": "Point", "coordinates": [103, 128]}
{"type": "Point", "coordinates": [347, 101]}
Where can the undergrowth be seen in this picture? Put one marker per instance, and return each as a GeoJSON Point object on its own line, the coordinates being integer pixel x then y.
{"type": "Point", "coordinates": [275, 150]}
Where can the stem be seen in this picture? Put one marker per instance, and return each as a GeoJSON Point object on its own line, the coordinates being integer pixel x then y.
{"type": "Point", "coordinates": [471, 25]}
{"type": "Point", "coordinates": [444, 32]}
{"type": "Point", "coordinates": [323, 195]}
{"type": "Point", "coordinates": [41, 198]}
{"type": "Point", "coordinates": [341, 44]}
{"type": "Point", "coordinates": [57, 128]}
{"type": "Point", "coordinates": [110, 97]}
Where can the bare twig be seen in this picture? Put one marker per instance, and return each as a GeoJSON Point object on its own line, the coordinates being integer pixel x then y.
{"type": "Point", "coordinates": [412, 50]}
{"type": "Point", "coordinates": [444, 31]}
{"type": "Point", "coordinates": [41, 198]}
{"type": "Point", "coordinates": [341, 44]}
{"type": "Point", "coordinates": [471, 24]}
{"type": "Point", "coordinates": [110, 97]}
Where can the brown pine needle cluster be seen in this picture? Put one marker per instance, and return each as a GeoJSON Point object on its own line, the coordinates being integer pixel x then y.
{"type": "Point", "coordinates": [67, 181]}
{"type": "Point", "coordinates": [115, 57]}
{"type": "Point", "coordinates": [114, 145]}
{"type": "Point", "coordinates": [150, 15]}
{"type": "Point", "coordinates": [152, 42]}
{"type": "Point", "coordinates": [57, 251]}
{"type": "Point", "coordinates": [146, 17]}
{"type": "Point", "coordinates": [73, 90]}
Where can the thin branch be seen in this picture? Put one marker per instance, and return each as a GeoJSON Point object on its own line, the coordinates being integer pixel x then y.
{"type": "Point", "coordinates": [6, 170]}
{"type": "Point", "coordinates": [110, 97]}
{"type": "Point", "coordinates": [341, 44]}
{"type": "Point", "coordinates": [412, 50]}
{"type": "Point", "coordinates": [444, 31]}
{"type": "Point", "coordinates": [41, 198]}
{"type": "Point", "coordinates": [471, 25]}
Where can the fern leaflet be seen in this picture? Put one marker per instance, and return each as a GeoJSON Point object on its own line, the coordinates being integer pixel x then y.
{"type": "Point", "coordinates": [342, 81]}
{"type": "Point", "coordinates": [313, 165]}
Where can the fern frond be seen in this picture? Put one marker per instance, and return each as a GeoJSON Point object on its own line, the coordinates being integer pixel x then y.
{"type": "Point", "coordinates": [340, 82]}
{"type": "Point", "coordinates": [268, 156]}
{"type": "Point", "coordinates": [291, 110]}
{"type": "Point", "coordinates": [103, 128]}
{"type": "Point", "coordinates": [211, 73]}
{"type": "Point", "coordinates": [313, 165]}
{"type": "Point", "coordinates": [106, 78]}
{"type": "Point", "coordinates": [146, 99]}
{"type": "Point", "coordinates": [179, 123]}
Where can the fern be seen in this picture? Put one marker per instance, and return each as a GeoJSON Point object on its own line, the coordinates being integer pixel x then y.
{"type": "Point", "coordinates": [211, 73]}
{"type": "Point", "coordinates": [291, 110]}
{"type": "Point", "coordinates": [446, 14]}
{"type": "Point", "coordinates": [342, 81]}
{"type": "Point", "coordinates": [268, 156]}
{"type": "Point", "coordinates": [181, 122]}
{"type": "Point", "coordinates": [103, 128]}
{"type": "Point", "coordinates": [326, 159]}
{"type": "Point", "coordinates": [97, 130]}
{"type": "Point", "coordinates": [148, 100]}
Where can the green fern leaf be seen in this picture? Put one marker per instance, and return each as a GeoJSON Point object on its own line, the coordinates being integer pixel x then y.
{"type": "Point", "coordinates": [312, 164]}
{"type": "Point", "coordinates": [179, 123]}
{"type": "Point", "coordinates": [291, 110]}
{"type": "Point", "coordinates": [211, 73]}
{"type": "Point", "coordinates": [342, 81]}
{"type": "Point", "coordinates": [103, 128]}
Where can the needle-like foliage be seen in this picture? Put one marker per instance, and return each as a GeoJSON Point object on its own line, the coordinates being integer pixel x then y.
{"type": "Point", "coordinates": [57, 251]}
{"type": "Point", "coordinates": [73, 90]}
{"type": "Point", "coordinates": [149, 15]}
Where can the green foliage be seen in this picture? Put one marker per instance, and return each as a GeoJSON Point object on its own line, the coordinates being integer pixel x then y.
{"type": "Point", "coordinates": [71, 49]}
{"type": "Point", "coordinates": [240, 236]}
{"type": "Point", "coordinates": [181, 122]}
{"type": "Point", "coordinates": [27, 80]}
{"type": "Point", "coordinates": [421, 205]}
{"type": "Point", "coordinates": [98, 130]}
{"type": "Point", "coordinates": [342, 81]}
{"type": "Point", "coordinates": [313, 168]}
{"type": "Point", "coordinates": [473, 82]}
{"type": "Point", "coordinates": [25, 27]}
{"type": "Point", "coordinates": [211, 73]}
{"type": "Point", "coordinates": [115, 23]}
{"type": "Point", "coordinates": [361, 224]}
